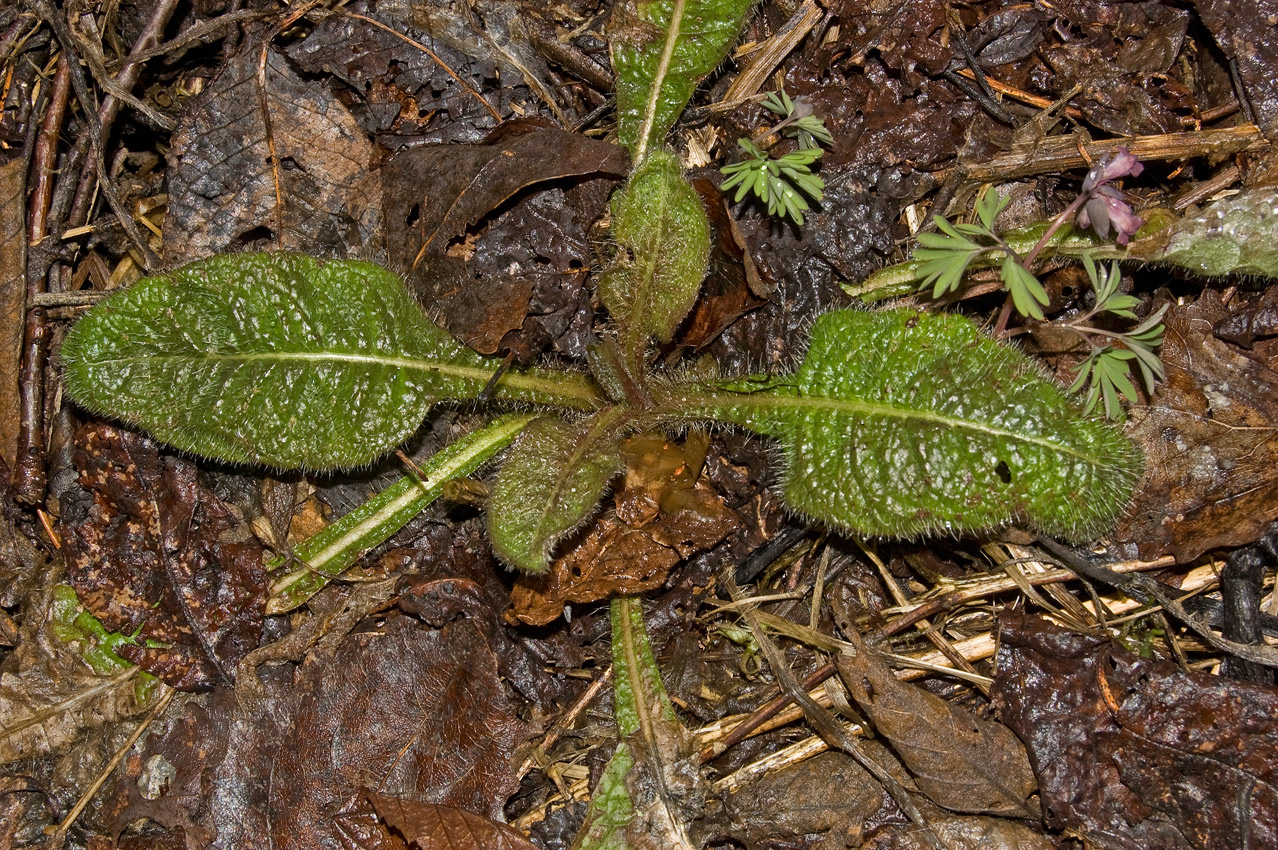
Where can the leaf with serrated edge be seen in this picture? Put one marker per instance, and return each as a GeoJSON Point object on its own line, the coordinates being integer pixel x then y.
{"type": "Point", "coordinates": [661, 50]}
{"type": "Point", "coordinates": [663, 240]}
{"type": "Point", "coordinates": [550, 484]}
{"type": "Point", "coordinates": [901, 423]}
{"type": "Point", "coordinates": [278, 359]}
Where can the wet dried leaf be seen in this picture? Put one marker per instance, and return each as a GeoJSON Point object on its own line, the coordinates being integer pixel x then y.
{"type": "Point", "coordinates": [13, 300]}
{"type": "Point", "coordinates": [151, 552]}
{"type": "Point", "coordinates": [962, 762]}
{"type": "Point", "coordinates": [428, 826]}
{"type": "Point", "coordinates": [222, 187]}
{"type": "Point", "coordinates": [961, 832]}
{"type": "Point", "coordinates": [828, 793]}
{"type": "Point", "coordinates": [664, 514]}
{"type": "Point", "coordinates": [1210, 436]}
{"type": "Point", "coordinates": [1135, 753]}
{"type": "Point", "coordinates": [407, 711]}
{"type": "Point", "coordinates": [484, 282]}
{"type": "Point", "coordinates": [1246, 35]}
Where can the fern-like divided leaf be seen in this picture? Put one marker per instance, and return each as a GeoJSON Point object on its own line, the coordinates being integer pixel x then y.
{"type": "Point", "coordinates": [661, 49]}
{"type": "Point", "coordinates": [902, 423]}
{"type": "Point", "coordinates": [550, 484]}
{"type": "Point", "coordinates": [663, 242]}
{"type": "Point", "coordinates": [276, 359]}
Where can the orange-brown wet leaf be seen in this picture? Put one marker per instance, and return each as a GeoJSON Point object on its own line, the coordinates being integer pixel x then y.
{"type": "Point", "coordinates": [429, 826]}
{"type": "Point", "coordinates": [1210, 437]}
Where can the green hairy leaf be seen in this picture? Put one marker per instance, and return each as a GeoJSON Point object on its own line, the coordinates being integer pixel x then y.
{"type": "Point", "coordinates": [900, 423]}
{"type": "Point", "coordinates": [278, 359]}
{"type": "Point", "coordinates": [663, 249]}
{"type": "Point", "coordinates": [661, 50]}
{"type": "Point", "coordinates": [550, 484]}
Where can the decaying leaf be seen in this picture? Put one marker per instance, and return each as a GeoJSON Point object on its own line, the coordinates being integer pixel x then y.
{"type": "Point", "coordinates": [51, 692]}
{"type": "Point", "coordinates": [483, 283]}
{"type": "Point", "coordinates": [406, 711]}
{"type": "Point", "coordinates": [153, 553]}
{"type": "Point", "coordinates": [1211, 436]}
{"type": "Point", "coordinates": [664, 513]}
{"type": "Point", "coordinates": [962, 762]}
{"type": "Point", "coordinates": [221, 183]}
{"type": "Point", "coordinates": [1133, 753]}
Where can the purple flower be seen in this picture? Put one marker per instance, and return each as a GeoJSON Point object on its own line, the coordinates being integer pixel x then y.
{"type": "Point", "coordinates": [1123, 164]}
{"type": "Point", "coordinates": [1105, 209]}
{"type": "Point", "coordinates": [1105, 206]}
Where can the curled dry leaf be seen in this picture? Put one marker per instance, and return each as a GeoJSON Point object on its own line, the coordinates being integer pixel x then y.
{"type": "Point", "coordinates": [959, 760]}
{"type": "Point", "coordinates": [664, 514]}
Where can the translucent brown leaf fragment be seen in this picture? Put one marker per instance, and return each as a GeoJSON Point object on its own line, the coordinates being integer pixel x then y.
{"type": "Point", "coordinates": [961, 761]}
{"type": "Point", "coordinates": [1208, 434]}
{"type": "Point", "coordinates": [489, 233]}
{"type": "Point", "coordinates": [152, 552]}
{"type": "Point", "coordinates": [410, 711]}
{"type": "Point", "coordinates": [222, 186]}
{"type": "Point", "coordinates": [1136, 753]}
{"type": "Point", "coordinates": [429, 826]}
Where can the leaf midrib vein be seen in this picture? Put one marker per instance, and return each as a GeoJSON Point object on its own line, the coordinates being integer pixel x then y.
{"type": "Point", "coordinates": [888, 411]}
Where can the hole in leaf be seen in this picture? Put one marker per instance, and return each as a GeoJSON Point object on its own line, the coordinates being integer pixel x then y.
{"type": "Point", "coordinates": [1004, 472]}
{"type": "Point", "coordinates": [414, 215]}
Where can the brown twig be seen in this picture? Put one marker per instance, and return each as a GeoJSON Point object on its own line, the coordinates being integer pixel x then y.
{"type": "Point", "coordinates": [125, 79]}
{"type": "Point", "coordinates": [29, 473]}
{"type": "Point", "coordinates": [1061, 153]}
{"type": "Point", "coordinates": [80, 86]}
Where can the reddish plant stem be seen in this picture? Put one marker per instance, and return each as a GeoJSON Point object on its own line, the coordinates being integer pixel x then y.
{"type": "Point", "coordinates": [29, 476]}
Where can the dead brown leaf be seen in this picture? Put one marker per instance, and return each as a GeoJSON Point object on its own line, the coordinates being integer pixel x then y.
{"type": "Point", "coordinates": [429, 826]}
{"type": "Point", "coordinates": [664, 513]}
{"type": "Point", "coordinates": [1134, 753]}
{"type": "Point", "coordinates": [959, 760]}
{"type": "Point", "coordinates": [485, 281]}
{"type": "Point", "coordinates": [151, 552]}
{"type": "Point", "coordinates": [222, 186]}
{"type": "Point", "coordinates": [1210, 437]}
{"type": "Point", "coordinates": [405, 711]}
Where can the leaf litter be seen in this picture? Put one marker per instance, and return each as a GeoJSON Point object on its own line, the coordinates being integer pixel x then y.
{"type": "Point", "coordinates": [361, 720]}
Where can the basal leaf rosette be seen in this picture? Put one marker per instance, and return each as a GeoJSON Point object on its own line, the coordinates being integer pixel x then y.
{"type": "Point", "coordinates": [902, 423]}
